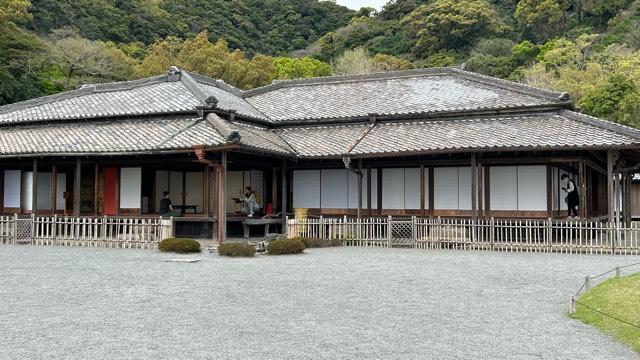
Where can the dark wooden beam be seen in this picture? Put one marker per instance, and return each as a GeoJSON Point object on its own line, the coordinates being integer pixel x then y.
{"type": "Point", "coordinates": [474, 188]}
{"type": "Point", "coordinates": [285, 197]}
{"type": "Point", "coordinates": [422, 193]}
{"type": "Point", "coordinates": [582, 186]}
{"type": "Point", "coordinates": [54, 189]}
{"type": "Point", "coordinates": [96, 188]}
{"type": "Point", "coordinates": [76, 187]}
{"type": "Point", "coordinates": [610, 193]}
{"type": "Point", "coordinates": [34, 187]}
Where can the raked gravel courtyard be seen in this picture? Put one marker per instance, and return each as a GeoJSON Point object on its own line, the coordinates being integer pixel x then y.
{"type": "Point", "coordinates": [337, 303]}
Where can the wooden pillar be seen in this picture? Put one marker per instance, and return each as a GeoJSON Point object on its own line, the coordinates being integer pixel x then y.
{"type": "Point", "coordinates": [284, 195]}
{"type": "Point", "coordinates": [369, 190]}
{"type": "Point", "coordinates": [582, 186]}
{"type": "Point", "coordinates": [34, 187]}
{"type": "Point", "coordinates": [54, 189]}
{"type": "Point", "coordinates": [432, 196]}
{"type": "Point", "coordinates": [549, 191]}
{"type": "Point", "coordinates": [474, 188]}
{"type": "Point", "coordinates": [626, 196]}
{"type": "Point", "coordinates": [222, 197]}
{"type": "Point", "coordinates": [274, 189]}
{"type": "Point", "coordinates": [610, 193]}
{"type": "Point", "coordinates": [422, 194]}
{"type": "Point", "coordinates": [96, 188]}
{"type": "Point", "coordinates": [207, 189]}
{"type": "Point", "coordinates": [487, 191]}
{"type": "Point", "coordinates": [76, 187]}
{"type": "Point", "coordinates": [360, 179]}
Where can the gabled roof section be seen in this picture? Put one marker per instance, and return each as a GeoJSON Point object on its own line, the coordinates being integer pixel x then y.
{"type": "Point", "coordinates": [175, 93]}
{"type": "Point", "coordinates": [412, 92]}
{"type": "Point", "coordinates": [561, 129]}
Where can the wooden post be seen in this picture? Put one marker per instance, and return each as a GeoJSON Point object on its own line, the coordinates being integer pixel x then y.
{"type": "Point", "coordinates": [222, 197]}
{"type": "Point", "coordinates": [610, 194]}
{"type": "Point", "coordinates": [474, 196]}
{"type": "Point", "coordinates": [284, 196]}
{"type": "Point", "coordinates": [96, 188]}
{"type": "Point", "coordinates": [54, 190]}
{"type": "Point", "coordinates": [422, 193]}
{"type": "Point", "coordinates": [549, 191]}
{"type": "Point", "coordinates": [34, 187]}
{"type": "Point", "coordinates": [369, 190]}
{"type": "Point", "coordinates": [274, 189]}
{"type": "Point", "coordinates": [582, 186]}
{"type": "Point", "coordinates": [76, 187]}
{"type": "Point", "coordinates": [207, 190]}
{"type": "Point", "coordinates": [359, 173]}
{"type": "Point", "coordinates": [626, 195]}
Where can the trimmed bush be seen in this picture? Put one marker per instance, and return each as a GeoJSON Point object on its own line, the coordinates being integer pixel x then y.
{"type": "Point", "coordinates": [319, 243]}
{"type": "Point", "coordinates": [179, 245]}
{"type": "Point", "coordinates": [236, 249]}
{"type": "Point", "coordinates": [285, 247]}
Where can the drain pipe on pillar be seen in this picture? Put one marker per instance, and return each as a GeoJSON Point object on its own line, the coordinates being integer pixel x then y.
{"type": "Point", "coordinates": [347, 164]}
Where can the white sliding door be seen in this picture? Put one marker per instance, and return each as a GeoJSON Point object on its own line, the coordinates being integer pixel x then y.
{"type": "Point", "coordinates": [12, 187]}
{"type": "Point", "coordinates": [130, 188]}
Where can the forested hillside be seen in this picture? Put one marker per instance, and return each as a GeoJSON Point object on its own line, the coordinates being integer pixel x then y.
{"type": "Point", "coordinates": [589, 48]}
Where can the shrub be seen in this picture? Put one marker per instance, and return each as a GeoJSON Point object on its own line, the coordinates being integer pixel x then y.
{"type": "Point", "coordinates": [236, 249]}
{"type": "Point", "coordinates": [319, 243]}
{"type": "Point", "coordinates": [179, 245]}
{"type": "Point", "coordinates": [286, 246]}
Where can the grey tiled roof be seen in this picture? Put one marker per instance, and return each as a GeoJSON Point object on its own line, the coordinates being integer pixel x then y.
{"type": "Point", "coordinates": [112, 136]}
{"type": "Point", "coordinates": [125, 99]}
{"type": "Point", "coordinates": [419, 111]}
{"type": "Point", "coordinates": [132, 136]}
{"type": "Point", "coordinates": [414, 92]}
{"type": "Point", "coordinates": [320, 141]}
{"type": "Point", "coordinates": [561, 129]}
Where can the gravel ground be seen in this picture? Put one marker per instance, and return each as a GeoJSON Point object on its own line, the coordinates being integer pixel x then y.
{"type": "Point", "coordinates": [338, 303]}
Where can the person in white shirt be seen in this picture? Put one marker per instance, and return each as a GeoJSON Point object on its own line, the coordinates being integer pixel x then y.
{"type": "Point", "coordinates": [573, 197]}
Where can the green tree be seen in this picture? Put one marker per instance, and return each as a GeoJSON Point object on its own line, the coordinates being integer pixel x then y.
{"type": "Point", "coordinates": [542, 18]}
{"type": "Point", "coordinates": [391, 63]}
{"type": "Point", "coordinates": [606, 101]}
{"type": "Point", "coordinates": [306, 67]}
{"type": "Point", "coordinates": [215, 60]}
{"type": "Point", "coordinates": [15, 11]}
{"type": "Point", "coordinates": [355, 62]}
{"type": "Point", "coordinates": [451, 24]}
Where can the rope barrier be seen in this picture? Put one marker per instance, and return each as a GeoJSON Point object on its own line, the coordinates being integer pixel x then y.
{"type": "Point", "coordinates": [607, 315]}
{"type": "Point", "coordinates": [589, 278]}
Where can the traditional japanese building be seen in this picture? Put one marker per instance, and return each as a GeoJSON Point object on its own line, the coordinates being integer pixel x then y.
{"type": "Point", "coordinates": [429, 142]}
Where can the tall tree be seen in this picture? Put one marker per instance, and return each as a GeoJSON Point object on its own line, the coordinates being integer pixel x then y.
{"type": "Point", "coordinates": [451, 24]}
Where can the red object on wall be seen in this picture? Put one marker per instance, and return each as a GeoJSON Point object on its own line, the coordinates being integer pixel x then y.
{"type": "Point", "coordinates": [110, 204]}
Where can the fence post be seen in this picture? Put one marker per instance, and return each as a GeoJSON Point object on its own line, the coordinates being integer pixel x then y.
{"type": "Point", "coordinates": [572, 305]}
{"type": "Point", "coordinates": [15, 229]}
{"type": "Point", "coordinates": [617, 271]}
{"type": "Point", "coordinates": [587, 283]}
{"type": "Point", "coordinates": [439, 231]}
{"type": "Point", "coordinates": [33, 227]}
{"type": "Point", "coordinates": [414, 233]}
{"type": "Point", "coordinates": [389, 231]}
{"type": "Point", "coordinates": [321, 228]}
{"type": "Point", "coordinates": [549, 234]}
{"type": "Point", "coordinates": [285, 230]}
{"type": "Point", "coordinates": [492, 232]}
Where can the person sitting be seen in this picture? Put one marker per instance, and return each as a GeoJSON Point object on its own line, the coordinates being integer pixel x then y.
{"type": "Point", "coordinates": [166, 208]}
{"type": "Point", "coordinates": [249, 202]}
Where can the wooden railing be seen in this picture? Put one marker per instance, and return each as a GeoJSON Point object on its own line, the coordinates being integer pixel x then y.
{"type": "Point", "coordinates": [563, 236]}
{"type": "Point", "coordinates": [111, 232]}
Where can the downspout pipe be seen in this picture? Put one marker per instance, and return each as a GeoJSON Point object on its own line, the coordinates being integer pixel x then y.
{"type": "Point", "coordinates": [358, 171]}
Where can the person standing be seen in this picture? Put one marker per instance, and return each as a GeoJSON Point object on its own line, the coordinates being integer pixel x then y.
{"type": "Point", "coordinates": [573, 197]}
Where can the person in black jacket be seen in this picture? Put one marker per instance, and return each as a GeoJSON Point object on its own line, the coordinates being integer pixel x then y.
{"type": "Point", "coordinates": [166, 208]}
{"type": "Point", "coordinates": [573, 197]}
